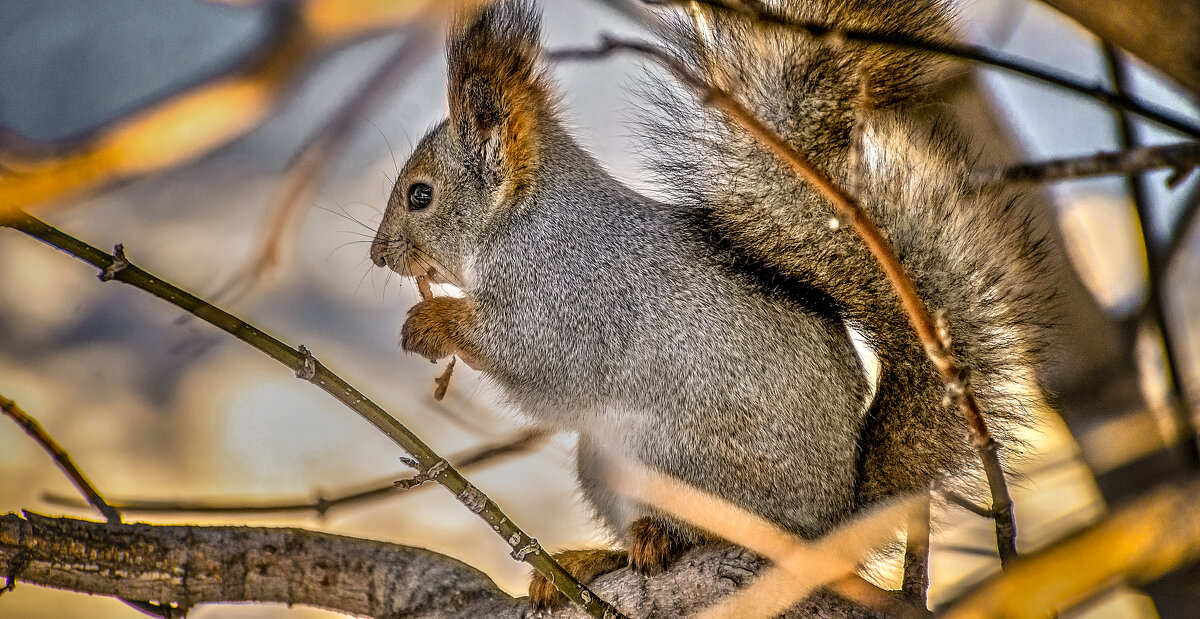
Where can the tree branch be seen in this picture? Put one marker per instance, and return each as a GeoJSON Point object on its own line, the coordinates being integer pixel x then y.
{"type": "Point", "coordinates": [1163, 33]}
{"type": "Point", "coordinates": [1137, 544]}
{"type": "Point", "coordinates": [757, 12]}
{"type": "Point", "coordinates": [1183, 158]}
{"type": "Point", "coordinates": [320, 506]}
{"type": "Point", "coordinates": [192, 565]}
{"type": "Point", "coordinates": [428, 464]}
{"type": "Point", "coordinates": [61, 457]}
{"type": "Point", "coordinates": [196, 565]}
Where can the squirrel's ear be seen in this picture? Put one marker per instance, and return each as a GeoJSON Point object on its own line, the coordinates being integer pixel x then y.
{"type": "Point", "coordinates": [499, 100]}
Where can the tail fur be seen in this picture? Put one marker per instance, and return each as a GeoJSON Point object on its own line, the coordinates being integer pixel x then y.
{"type": "Point", "coordinates": [972, 253]}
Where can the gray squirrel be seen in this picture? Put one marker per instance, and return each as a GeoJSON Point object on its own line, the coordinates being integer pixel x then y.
{"type": "Point", "coordinates": [709, 333]}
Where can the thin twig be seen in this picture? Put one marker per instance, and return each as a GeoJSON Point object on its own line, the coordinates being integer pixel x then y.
{"type": "Point", "coordinates": [309, 168]}
{"type": "Point", "coordinates": [958, 389]}
{"type": "Point", "coordinates": [1137, 544]}
{"type": "Point", "coordinates": [111, 514]}
{"type": "Point", "coordinates": [62, 458]}
{"type": "Point", "coordinates": [1187, 226]}
{"type": "Point", "coordinates": [485, 454]}
{"type": "Point", "coordinates": [442, 382]}
{"type": "Point", "coordinates": [957, 499]}
{"type": "Point", "coordinates": [1154, 310]}
{"type": "Point", "coordinates": [1182, 157]}
{"type": "Point", "coordinates": [427, 462]}
{"type": "Point", "coordinates": [756, 11]}
{"type": "Point", "coordinates": [916, 556]}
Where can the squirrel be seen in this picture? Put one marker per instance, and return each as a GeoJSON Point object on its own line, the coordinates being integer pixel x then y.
{"type": "Point", "coordinates": [709, 333]}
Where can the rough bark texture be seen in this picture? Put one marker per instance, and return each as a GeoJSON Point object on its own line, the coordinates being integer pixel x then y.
{"type": "Point", "coordinates": [1163, 33]}
{"type": "Point", "coordinates": [190, 565]}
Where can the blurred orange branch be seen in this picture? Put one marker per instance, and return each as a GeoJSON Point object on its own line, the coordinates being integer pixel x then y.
{"type": "Point", "coordinates": [199, 119]}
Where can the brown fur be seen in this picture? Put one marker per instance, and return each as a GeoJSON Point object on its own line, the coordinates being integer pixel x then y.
{"type": "Point", "coordinates": [439, 327]}
{"type": "Point", "coordinates": [653, 545]}
{"type": "Point", "coordinates": [499, 98]}
{"type": "Point", "coordinates": [584, 565]}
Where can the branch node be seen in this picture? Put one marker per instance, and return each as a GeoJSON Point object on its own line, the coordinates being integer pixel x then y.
{"type": "Point", "coordinates": [957, 388]}
{"type": "Point", "coordinates": [473, 499]}
{"type": "Point", "coordinates": [118, 264]}
{"type": "Point", "coordinates": [532, 548]}
{"type": "Point", "coordinates": [437, 468]}
{"type": "Point", "coordinates": [308, 371]}
{"type": "Point", "coordinates": [1179, 175]}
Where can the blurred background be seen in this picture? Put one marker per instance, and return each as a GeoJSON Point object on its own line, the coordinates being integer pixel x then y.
{"type": "Point", "coordinates": [155, 406]}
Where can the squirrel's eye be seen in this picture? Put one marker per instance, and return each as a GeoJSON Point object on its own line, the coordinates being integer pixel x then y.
{"type": "Point", "coordinates": [420, 196]}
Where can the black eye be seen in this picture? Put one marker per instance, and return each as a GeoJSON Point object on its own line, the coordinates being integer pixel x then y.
{"type": "Point", "coordinates": [420, 196]}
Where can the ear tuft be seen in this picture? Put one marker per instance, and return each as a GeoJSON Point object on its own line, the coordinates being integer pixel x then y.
{"type": "Point", "coordinates": [499, 99]}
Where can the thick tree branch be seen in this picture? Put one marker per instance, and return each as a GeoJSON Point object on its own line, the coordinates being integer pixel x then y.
{"type": "Point", "coordinates": [195, 565]}
{"type": "Point", "coordinates": [428, 464]}
{"type": "Point", "coordinates": [190, 565]}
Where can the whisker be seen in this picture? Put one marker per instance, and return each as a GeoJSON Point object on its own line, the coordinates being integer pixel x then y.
{"type": "Point", "coordinates": [391, 151]}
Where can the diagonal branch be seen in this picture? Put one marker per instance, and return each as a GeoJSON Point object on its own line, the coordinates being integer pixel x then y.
{"type": "Point", "coordinates": [1137, 544]}
{"type": "Point", "coordinates": [958, 389]}
{"type": "Point", "coordinates": [196, 120]}
{"type": "Point", "coordinates": [758, 12]}
{"type": "Point", "coordinates": [428, 464]}
{"type": "Point", "coordinates": [61, 457]}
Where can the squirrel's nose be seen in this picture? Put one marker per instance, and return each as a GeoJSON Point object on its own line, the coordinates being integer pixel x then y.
{"type": "Point", "coordinates": [378, 252]}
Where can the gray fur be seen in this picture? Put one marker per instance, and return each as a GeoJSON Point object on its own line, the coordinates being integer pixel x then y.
{"type": "Point", "coordinates": [706, 336]}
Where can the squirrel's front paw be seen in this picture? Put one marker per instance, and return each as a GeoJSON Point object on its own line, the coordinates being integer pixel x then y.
{"type": "Point", "coordinates": [437, 327]}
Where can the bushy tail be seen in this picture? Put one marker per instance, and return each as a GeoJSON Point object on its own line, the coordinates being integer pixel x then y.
{"type": "Point", "coordinates": [971, 253]}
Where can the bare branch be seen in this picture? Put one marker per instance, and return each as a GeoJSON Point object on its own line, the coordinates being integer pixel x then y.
{"type": "Point", "coordinates": [310, 166]}
{"type": "Point", "coordinates": [189, 565]}
{"type": "Point", "coordinates": [428, 464]}
{"type": "Point", "coordinates": [61, 457]}
{"type": "Point", "coordinates": [1182, 157]}
{"type": "Point", "coordinates": [758, 12]}
{"type": "Point", "coordinates": [186, 124]}
{"type": "Point", "coordinates": [938, 350]}
{"type": "Point", "coordinates": [1163, 33]}
{"type": "Point", "coordinates": [480, 456]}
{"type": "Point", "coordinates": [194, 565]}
{"type": "Point", "coordinates": [1137, 544]}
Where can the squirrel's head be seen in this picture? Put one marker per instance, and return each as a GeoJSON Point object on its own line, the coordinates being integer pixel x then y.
{"type": "Point", "coordinates": [484, 159]}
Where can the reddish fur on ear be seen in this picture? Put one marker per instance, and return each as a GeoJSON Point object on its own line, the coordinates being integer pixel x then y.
{"type": "Point", "coordinates": [498, 96]}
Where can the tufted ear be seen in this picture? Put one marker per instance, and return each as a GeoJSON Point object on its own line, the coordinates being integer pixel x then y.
{"type": "Point", "coordinates": [499, 98]}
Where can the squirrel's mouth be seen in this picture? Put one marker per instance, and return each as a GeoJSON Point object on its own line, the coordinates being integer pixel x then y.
{"type": "Point", "coordinates": [419, 268]}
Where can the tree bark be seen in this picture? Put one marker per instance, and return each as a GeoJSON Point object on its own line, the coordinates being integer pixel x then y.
{"type": "Point", "coordinates": [189, 565]}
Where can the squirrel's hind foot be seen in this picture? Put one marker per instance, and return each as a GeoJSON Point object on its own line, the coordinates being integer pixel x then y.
{"type": "Point", "coordinates": [584, 565]}
{"type": "Point", "coordinates": [653, 545]}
